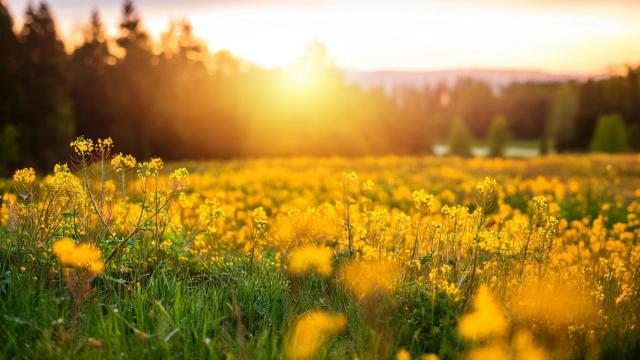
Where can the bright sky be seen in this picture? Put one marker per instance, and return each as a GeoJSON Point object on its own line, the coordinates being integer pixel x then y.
{"type": "Point", "coordinates": [585, 36]}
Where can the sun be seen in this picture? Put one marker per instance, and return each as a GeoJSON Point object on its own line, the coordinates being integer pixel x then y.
{"type": "Point", "coordinates": [300, 76]}
{"type": "Point", "coordinates": [307, 73]}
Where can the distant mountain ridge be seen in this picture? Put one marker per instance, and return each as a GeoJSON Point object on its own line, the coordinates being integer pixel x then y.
{"type": "Point", "coordinates": [497, 78]}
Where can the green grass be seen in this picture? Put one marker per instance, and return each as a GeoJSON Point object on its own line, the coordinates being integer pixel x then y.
{"type": "Point", "coordinates": [221, 312]}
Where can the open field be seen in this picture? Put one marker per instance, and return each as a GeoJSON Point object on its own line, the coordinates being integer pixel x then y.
{"type": "Point", "coordinates": [302, 180]}
{"type": "Point", "coordinates": [366, 258]}
{"type": "Point", "coordinates": [515, 149]}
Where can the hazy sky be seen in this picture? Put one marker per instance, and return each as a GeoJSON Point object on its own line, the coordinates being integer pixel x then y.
{"type": "Point", "coordinates": [553, 35]}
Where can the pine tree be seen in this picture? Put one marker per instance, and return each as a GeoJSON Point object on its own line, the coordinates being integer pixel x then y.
{"type": "Point", "coordinates": [133, 86]}
{"type": "Point", "coordinates": [11, 92]}
{"type": "Point", "coordinates": [133, 39]}
{"type": "Point", "coordinates": [91, 70]}
{"type": "Point", "coordinates": [560, 123]}
{"type": "Point", "coordinates": [48, 121]}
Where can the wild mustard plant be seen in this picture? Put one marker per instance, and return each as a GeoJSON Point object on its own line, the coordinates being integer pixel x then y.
{"type": "Point", "coordinates": [543, 244]}
{"type": "Point", "coordinates": [81, 264]}
{"type": "Point", "coordinates": [310, 331]}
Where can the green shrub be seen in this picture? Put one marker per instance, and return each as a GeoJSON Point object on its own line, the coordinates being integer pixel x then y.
{"type": "Point", "coordinates": [610, 135]}
{"type": "Point", "coordinates": [498, 136]}
{"type": "Point", "coordinates": [460, 139]}
{"type": "Point", "coordinates": [634, 137]}
{"type": "Point", "coordinates": [9, 148]}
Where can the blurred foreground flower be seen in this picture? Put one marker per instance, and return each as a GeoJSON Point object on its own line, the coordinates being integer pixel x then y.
{"type": "Point", "coordinates": [552, 303]}
{"type": "Point", "coordinates": [311, 257]}
{"type": "Point", "coordinates": [83, 263]}
{"type": "Point", "coordinates": [367, 278]}
{"type": "Point", "coordinates": [311, 330]}
{"type": "Point", "coordinates": [486, 320]}
{"type": "Point", "coordinates": [84, 256]}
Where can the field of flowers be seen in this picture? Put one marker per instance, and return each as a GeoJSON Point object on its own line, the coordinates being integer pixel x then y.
{"type": "Point", "coordinates": [369, 258]}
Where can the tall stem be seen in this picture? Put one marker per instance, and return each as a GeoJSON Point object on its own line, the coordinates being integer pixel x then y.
{"type": "Point", "coordinates": [475, 256]}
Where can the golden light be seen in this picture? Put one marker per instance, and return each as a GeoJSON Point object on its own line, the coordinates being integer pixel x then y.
{"type": "Point", "coordinates": [411, 34]}
{"type": "Point", "coordinates": [300, 77]}
{"type": "Point", "coordinates": [426, 36]}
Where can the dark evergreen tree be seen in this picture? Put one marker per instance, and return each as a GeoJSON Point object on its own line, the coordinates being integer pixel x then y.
{"type": "Point", "coordinates": [48, 120]}
{"type": "Point", "coordinates": [180, 66]}
{"type": "Point", "coordinates": [526, 106]}
{"type": "Point", "coordinates": [560, 123]}
{"type": "Point", "coordinates": [133, 88]}
{"type": "Point", "coordinates": [11, 92]}
{"type": "Point", "coordinates": [473, 101]}
{"type": "Point", "coordinates": [91, 61]}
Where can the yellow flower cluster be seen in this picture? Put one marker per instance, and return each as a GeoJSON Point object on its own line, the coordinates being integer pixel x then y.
{"type": "Point", "coordinates": [558, 239]}
{"type": "Point", "coordinates": [85, 256]}
{"type": "Point", "coordinates": [103, 147]}
{"type": "Point", "coordinates": [486, 320]}
{"type": "Point", "coordinates": [487, 186]}
{"type": "Point", "coordinates": [311, 257]}
{"type": "Point", "coordinates": [310, 331]}
{"type": "Point", "coordinates": [24, 176]}
{"type": "Point", "coordinates": [422, 201]}
{"type": "Point", "coordinates": [179, 178]}
{"type": "Point", "coordinates": [150, 168]}
{"type": "Point", "coordinates": [487, 326]}
{"type": "Point", "coordinates": [369, 278]}
{"type": "Point", "coordinates": [260, 221]}
{"type": "Point", "coordinates": [122, 162]}
{"type": "Point", "coordinates": [82, 146]}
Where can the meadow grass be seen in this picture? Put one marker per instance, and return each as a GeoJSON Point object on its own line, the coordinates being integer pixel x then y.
{"type": "Point", "coordinates": [372, 258]}
{"type": "Point", "coordinates": [171, 312]}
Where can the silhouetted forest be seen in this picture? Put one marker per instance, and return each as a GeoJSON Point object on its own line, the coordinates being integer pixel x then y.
{"type": "Point", "coordinates": [174, 99]}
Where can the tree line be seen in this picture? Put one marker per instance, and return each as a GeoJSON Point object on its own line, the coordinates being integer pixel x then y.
{"type": "Point", "coordinates": [173, 98]}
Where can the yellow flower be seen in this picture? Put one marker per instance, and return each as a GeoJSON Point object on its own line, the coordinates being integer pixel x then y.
{"type": "Point", "coordinates": [82, 256]}
{"type": "Point", "coordinates": [260, 222]}
{"type": "Point", "coordinates": [122, 162]}
{"type": "Point", "coordinates": [558, 304]}
{"type": "Point", "coordinates": [423, 201]}
{"type": "Point", "coordinates": [368, 185]}
{"type": "Point", "coordinates": [486, 320]}
{"type": "Point", "coordinates": [150, 168]}
{"type": "Point", "coordinates": [486, 186]}
{"type": "Point", "coordinates": [179, 178]}
{"type": "Point", "coordinates": [24, 176]}
{"type": "Point", "coordinates": [103, 147]}
{"type": "Point", "coordinates": [156, 164]}
{"type": "Point", "coordinates": [308, 257]}
{"type": "Point", "coordinates": [64, 182]}
{"type": "Point", "coordinates": [525, 348]}
{"type": "Point", "coordinates": [539, 203]}
{"type": "Point", "coordinates": [366, 278]}
{"type": "Point", "coordinates": [82, 146]}
{"type": "Point", "coordinates": [492, 351]}
{"type": "Point", "coordinates": [403, 354]}
{"type": "Point", "coordinates": [349, 183]}
{"type": "Point", "coordinates": [311, 330]}
{"type": "Point", "coordinates": [350, 177]}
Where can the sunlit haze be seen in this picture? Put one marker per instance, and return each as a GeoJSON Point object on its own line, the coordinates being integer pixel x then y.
{"type": "Point", "coordinates": [556, 36]}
